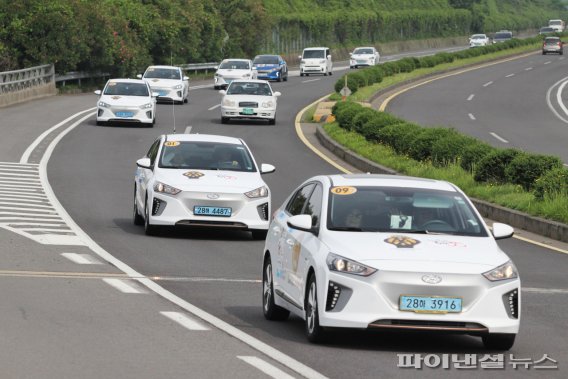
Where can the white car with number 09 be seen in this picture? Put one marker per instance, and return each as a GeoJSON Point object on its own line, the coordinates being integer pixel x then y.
{"type": "Point", "coordinates": [390, 253]}
{"type": "Point", "coordinates": [201, 181]}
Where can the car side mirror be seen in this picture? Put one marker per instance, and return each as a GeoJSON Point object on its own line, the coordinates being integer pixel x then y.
{"type": "Point", "coordinates": [350, 54]}
{"type": "Point", "coordinates": [329, 57]}
{"type": "Point", "coordinates": [155, 94]}
{"type": "Point", "coordinates": [215, 67]}
{"type": "Point", "coordinates": [186, 78]}
{"type": "Point", "coordinates": [299, 57]}
{"type": "Point", "coordinates": [144, 163]}
{"type": "Point", "coordinates": [98, 92]}
{"type": "Point", "coordinates": [223, 92]}
{"type": "Point", "coordinates": [502, 231]}
{"type": "Point", "coordinates": [301, 222]}
{"type": "Point", "coordinates": [266, 168]}
{"type": "Point", "coordinates": [277, 94]}
{"type": "Point", "coordinates": [139, 76]}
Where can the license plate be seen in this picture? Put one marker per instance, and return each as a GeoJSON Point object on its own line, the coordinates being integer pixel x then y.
{"type": "Point", "coordinates": [430, 304]}
{"type": "Point", "coordinates": [124, 114]}
{"type": "Point", "coordinates": [162, 93]}
{"type": "Point", "coordinates": [248, 111]}
{"type": "Point", "coordinates": [199, 210]}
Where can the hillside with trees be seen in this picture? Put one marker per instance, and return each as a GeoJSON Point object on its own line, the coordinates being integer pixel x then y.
{"type": "Point", "coordinates": [124, 36]}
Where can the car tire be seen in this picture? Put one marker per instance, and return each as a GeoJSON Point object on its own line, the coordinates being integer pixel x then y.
{"type": "Point", "coordinates": [186, 100]}
{"type": "Point", "coordinates": [272, 121]}
{"type": "Point", "coordinates": [137, 218]}
{"type": "Point", "coordinates": [271, 311]}
{"type": "Point", "coordinates": [498, 341]}
{"type": "Point", "coordinates": [100, 123]}
{"type": "Point", "coordinates": [224, 120]}
{"type": "Point", "coordinates": [543, 53]}
{"type": "Point", "coordinates": [151, 230]}
{"type": "Point", "coordinates": [216, 87]}
{"type": "Point", "coordinates": [330, 73]}
{"type": "Point", "coordinates": [259, 234]}
{"type": "Point", "coordinates": [301, 74]}
{"type": "Point", "coordinates": [286, 77]}
{"type": "Point", "coordinates": [279, 77]}
{"type": "Point", "coordinates": [314, 331]}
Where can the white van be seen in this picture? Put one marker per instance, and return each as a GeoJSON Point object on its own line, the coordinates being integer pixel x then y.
{"type": "Point", "coordinates": [316, 60]}
{"type": "Point", "coordinates": [557, 25]}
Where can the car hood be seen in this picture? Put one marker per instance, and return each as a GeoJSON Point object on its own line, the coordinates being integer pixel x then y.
{"type": "Point", "coordinates": [155, 82]}
{"type": "Point", "coordinates": [233, 72]}
{"type": "Point", "coordinates": [266, 66]}
{"type": "Point", "coordinates": [362, 56]}
{"type": "Point", "coordinates": [255, 98]}
{"type": "Point", "coordinates": [224, 181]}
{"type": "Point", "coordinates": [418, 252]}
{"type": "Point", "coordinates": [125, 100]}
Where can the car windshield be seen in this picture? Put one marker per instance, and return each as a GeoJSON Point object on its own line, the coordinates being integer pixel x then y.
{"type": "Point", "coordinates": [235, 65]}
{"type": "Point", "coordinates": [266, 59]}
{"type": "Point", "coordinates": [557, 22]}
{"type": "Point", "coordinates": [504, 35]}
{"type": "Point", "coordinates": [478, 36]}
{"type": "Point", "coordinates": [363, 51]}
{"type": "Point", "coordinates": [309, 54]}
{"type": "Point", "coordinates": [401, 210]}
{"type": "Point", "coordinates": [126, 89]}
{"type": "Point", "coordinates": [249, 88]}
{"type": "Point", "coordinates": [162, 73]}
{"type": "Point", "coordinates": [206, 156]}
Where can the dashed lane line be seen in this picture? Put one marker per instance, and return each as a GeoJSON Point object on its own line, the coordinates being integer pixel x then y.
{"type": "Point", "coordinates": [185, 321]}
{"type": "Point", "coordinates": [265, 367]}
{"type": "Point", "coordinates": [497, 136]}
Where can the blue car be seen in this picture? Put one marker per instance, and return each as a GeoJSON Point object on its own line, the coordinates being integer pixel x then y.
{"type": "Point", "coordinates": [270, 67]}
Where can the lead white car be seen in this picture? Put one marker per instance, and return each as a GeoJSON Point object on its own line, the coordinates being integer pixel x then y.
{"type": "Point", "coordinates": [169, 82]}
{"type": "Point", "coordinates": [364, 56]}
{"type": "Point", "coordinates": [200, 180]}
{"type": "Point", "coordinates": [233, 69]}
{"type": "Point", "coordinates": [126, 101]}
{"type": "Point", "coordinates": [249, 99]}
{"type": "Point", "coordinates": [391, 253]}
{"type": "Point", "coordinates": [477, 40]}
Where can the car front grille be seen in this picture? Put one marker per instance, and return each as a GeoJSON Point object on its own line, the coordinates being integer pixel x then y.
{"type": "Point", "coordinates": [248, 104]}
{"type": "Point", "coordinates": [511, 302]}
{"type": "Point", "coordinates": [263, 211]}
{"type": "Point", "coordinates": [333, 292]}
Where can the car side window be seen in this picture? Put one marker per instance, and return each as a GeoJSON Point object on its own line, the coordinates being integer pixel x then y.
{"type": "Point", "coordinates": [153, 152]}
{"type": "Point", "coordinates": [297, 202]}
{"type": "Point", "coordinates": [313, 207]}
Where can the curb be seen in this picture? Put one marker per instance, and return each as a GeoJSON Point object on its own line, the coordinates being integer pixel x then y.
{"type": "Point", "coordinates": [520, 220]}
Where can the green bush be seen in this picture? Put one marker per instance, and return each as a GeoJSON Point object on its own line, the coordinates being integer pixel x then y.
{"type": "Point", "coordinates": [362, 118]}
{"type": "Point", "coordinates": [491, 168]}
{"type": "Point", "coordinates": [448, 149]}
{"type": "Point", "coordinates": [473, 153]}
{"type": "Point", "coordinates": [526, 168]}
{"type": "Point", "coordinates": [398, 135]}
{"type": "Point", "coordinates": [424, 140]}
{"type": "Point", "coordinates": [553, 183]}
{"type": "Point", "coordinates": [345, 114]}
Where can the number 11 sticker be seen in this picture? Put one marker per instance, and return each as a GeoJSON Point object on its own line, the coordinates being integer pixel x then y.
{"type": "Point", "coordinates": [343, 190]}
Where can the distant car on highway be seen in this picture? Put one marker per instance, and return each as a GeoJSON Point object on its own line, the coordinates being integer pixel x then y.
{"type": "Point", "coordinates": [249, 99]}
{"type": "Point", "coordinates": [233, 69]}
{"type": "Point", "coordinates": [558, 25]}
{"type": "Point", "coordinates": [316, 60]}
{"type": "Point", "coordinates": [502, 36]}
{"type": "Point", "coordinates": [552, 45]}
{"type": "Point", "coordinates": [546, 30]}
{"type": "Point", "coordinates": [270, 67]}
{"type": "Point", "coordinates": [169, 82]}
{"type": "Point", "coordinates": [385, 252]}
{"type": "Point", "coordinates": [477, 40]}
{"type": "Point", "coordinates": [201, 181]}
{"type": "Point", "coordinates": [364, 56]}
{"type": "Point", "coordinates": [126, 101]}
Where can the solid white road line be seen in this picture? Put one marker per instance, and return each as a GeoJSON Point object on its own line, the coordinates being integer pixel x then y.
{"type": "Point", "coordinates": [499, 137]}
{"type": "Point", "coordinates": [15, 203]}
{"type": "Point", "coordinates": [214, 107]}
{"type": "Point", "coordinates": [510, 75]}
{"type": "Point", "coordinates": [311, 80]}
{"type": "Point", "coordinates": [487, 84]}
{"type": "Point", "coordinates": [471, 116]}
{"type": "Point", "coordinates": [185, 321]}
{"type": "Point", "coordinates": [267, 368]}
{"type": "Point", "coordinates": [82, 259]}
{"type": "Point", "coordinates": [528, 68]}
{"type": "Point", "coordinates": [546, 290]}
{"type": "Point", "coordinates": [470, 97]}
{"type": "Point", "coordinates": [122, 285]}
{"type": "Point", "coordinates": [548, 62]}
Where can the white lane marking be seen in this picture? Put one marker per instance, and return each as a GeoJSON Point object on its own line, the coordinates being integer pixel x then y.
{"type": "Point", "coordinates": [254, 343]}
{"type": "Point", "coordinates": [30, 211]}
{"type": "Point", "coordinates": [470, 97]}
{"type": "Point", "coordinates": [26, 156]}
{"type": "Point", "coordinates": [82, 259]}
{"type": "Point", "coordinates": [471, 116]}
{"type": "Point", "coordinates": [546, 290]}
{"type": "Point", "coordinates": [548, 62]}
{"type": "Point", "coordinates": [32, 170]}
{"type": "Point", "coordinates": [201, 86]}
{"type": "Point", "coordinates": [65, 229]}
{"type": "Point", "coordinates": [267, 368]}
{"type": "Point", "coordinates": [487, 84]}
{"type": "Point", "coordinates": [203, 280]}
{"type": "Point", "coordinates": [510, 75]}
{"type": "Point", "coordinates": [549, 101]}
{"type": "Point", "coordinates": [122, 285]}
{"type": "Point", "coordinates": [11, 199]}
{"type": "Point", "coordinates": [185, 321]}
{"type": "Point", "coordinates": [528, 68]}
{"type": "Point", "coordinates": [31, 215]}
{"type": "Point", "coordinates": [35, 206]}
{"type": "Point", "coordinates": [214, 107]}
{"type": "Point", "coordinates": [19, 165]}
{"type": "Point", "coordinates": [28, 187]}
{"type": "Point", "coordinates": [311, 80]}
{"type": "Point", "coordinates": [559, 97]}
{"type": "Point", "coordinates": [27, 197]}
{"type": "Point", "coordinates": [499, 137]}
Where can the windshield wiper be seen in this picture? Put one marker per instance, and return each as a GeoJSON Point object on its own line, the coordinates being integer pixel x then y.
{"type": "Point", "coordinates": [346, 229]}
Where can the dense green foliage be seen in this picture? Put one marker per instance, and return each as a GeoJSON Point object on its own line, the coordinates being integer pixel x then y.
{"type": "Point", "coordinates": [124, 36]}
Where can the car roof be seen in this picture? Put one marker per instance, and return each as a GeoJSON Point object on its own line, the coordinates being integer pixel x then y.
{"type": "Point", "coordinates": [237, 59]}
{"type": "Point", "coordinates": [316, 48]}
{"type": "Point", "coordinates": [163, 66]}
{"type": "Point", "coordinates": [203, 138]}
{"type": "Point", "coordinates": [379, 180]}
{"type": "Point", "coordinates": [364, 47]}
{"type": "Point", "coordinates": [551, 38]}
{"type": "Point", "coordinates": [479, 34]}
{"type": "Point", "coordinates": [125, 80]}
{"type": "Point", "coordinates": [250, 81]}
{"type": "Point", "coordinates": [267, 55]}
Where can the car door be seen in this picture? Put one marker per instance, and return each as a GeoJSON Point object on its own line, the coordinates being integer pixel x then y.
{"type": "Point", "coordinates": [144, 175]}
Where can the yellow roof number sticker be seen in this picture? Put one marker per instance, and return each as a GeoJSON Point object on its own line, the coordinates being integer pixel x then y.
{"type": "Point", "coordinates": [343, 190]}
{"type": "Point", "coordinates": [171, 143]}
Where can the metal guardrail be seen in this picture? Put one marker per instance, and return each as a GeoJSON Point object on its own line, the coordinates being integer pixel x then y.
{"type": "Point", "coordinates": [78, 75]}
{"type": "Point", "coordinates": [19, 80]}
{"type": "Point", "coordinates": [199, 66]}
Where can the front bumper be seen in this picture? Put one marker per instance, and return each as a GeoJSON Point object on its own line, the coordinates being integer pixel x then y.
{"type": "Point", "coordinates": [125, 114]}
{"type": "Point", "coordinates": [238, 112]}
{"type": "Point", "coordinates": [373, 302]}
{"type": "Point", "coordinates": [361, 62]}
{"type": "Point", "coordinates": [312, 69]}
{"type": "Point", "coordinates": [268, 75]}
{"type": "Point", "coordinates": [246, 214]}
{"type": "Point", "coordinates": [168, 94]}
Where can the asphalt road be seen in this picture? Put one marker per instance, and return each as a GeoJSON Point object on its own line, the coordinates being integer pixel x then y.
{"type": "Point", "coordinates": [70, 323]}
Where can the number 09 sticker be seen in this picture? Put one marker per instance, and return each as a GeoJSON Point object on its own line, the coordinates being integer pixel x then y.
{"type": "Point", "coordinates": [171, 143]}
{"type": "Point", "coordinates": [343, 190]}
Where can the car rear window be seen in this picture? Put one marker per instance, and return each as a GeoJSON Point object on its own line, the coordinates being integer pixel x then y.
{"type": "Point", "coordinates": [503, 35]}
{"type": "Point", "coordinates": [235, 65]}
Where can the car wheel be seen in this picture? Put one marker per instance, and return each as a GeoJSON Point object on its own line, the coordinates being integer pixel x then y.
{"type": "Point", "coordinates": [137, 218]}
{"type": "Point", "coordinates": [314, 331]}
{"type": "Point", "coordinates": [561, 53]}
{"type": "Point", "coordinates": [224, 120]}
{"type": "Point", "coordinates": [259, 234]}
{"type": "Point", "coordinates": [498, 341]}
{"type": "Point", "coordinates": [330, 73]}
{"type": "Point", "coordinates": [269, 308]}
{"type": "Point", "coordinates": [279, 77]}
{"type": "Point", "coordinates": [186, 100]}
{"type": "Point", "coordinates": [151, 230]}
{"type": "Point", "coordinates": [286, 77]}
{"type": "Point", "coordinates": [272, 121]}
{"type": "Point", "coordinates": [301, 74]}
{"type": "Point", "coordinates": [216, 87]}
{"type": "Point", "coordinates": [100, 123]}
{"type": "Point", "coordinates": [543, 53]}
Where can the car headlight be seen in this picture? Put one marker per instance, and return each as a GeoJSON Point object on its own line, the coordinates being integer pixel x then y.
{"type": "Point", "coordinates": [164, 188]}
{"type": "Point", "coordinates": [229, 102]}
{"type": "Point", "coordinates": [268, 104]}
{"type": "Point", "coordinates": [179, 86]}
{"type": "Point", "coordinates": [503, 272]}
{"type": "Point", "coordinates": [341, 264]}
{"type": "Point", "coordinates": [103, 104]}
{"type": "Point", "coordinates": [146, 106]}
{"type": "Point", "coordinates": [259, 192]}
{"type": "Point", "coordinates": [322, 61]}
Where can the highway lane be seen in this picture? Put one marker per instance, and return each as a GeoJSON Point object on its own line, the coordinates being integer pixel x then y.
{"type": "Point", "coordinates": [506, 104]}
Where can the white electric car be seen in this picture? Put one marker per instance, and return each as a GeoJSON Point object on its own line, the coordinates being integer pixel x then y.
{"type": "Point", "coordinates": [233, 69]}
{"type": "Point", "coordinates": [169, 82]}
{"type": "Point", "coordinates": [126, 101]}
{"type": "Point", "coordinates": [364, 56]}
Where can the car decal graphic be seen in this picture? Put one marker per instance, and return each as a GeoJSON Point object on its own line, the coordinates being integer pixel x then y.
{"type": "Point", "coordinates": [228, 177]}
{"type": "Point", "coordinates": [193, 174]}
{"type": "Point", "coordinates": [115, 97]}
{"type": "Point", "coordinates": [343, 190]}
{"type": "Point", "coordinates": [171, 143]}
{"type": "Point", "coordinates": [402, 241]}
{"type": "Point", "coordinates": [449, 243]}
